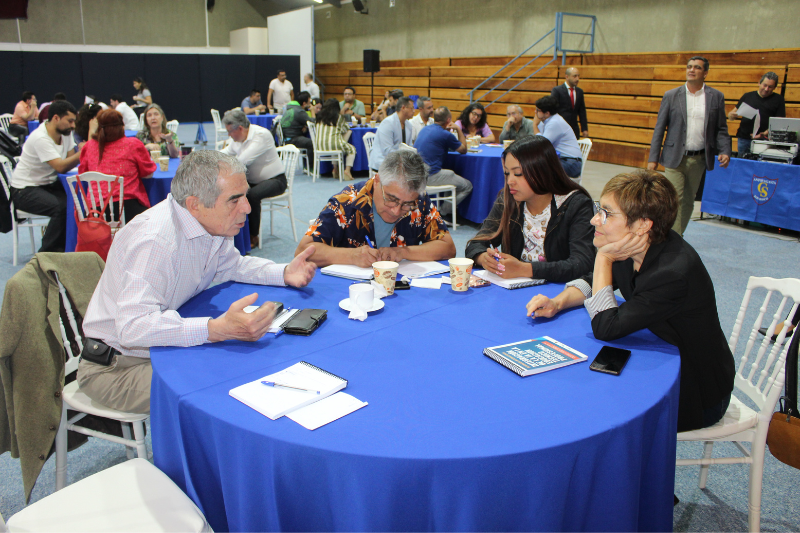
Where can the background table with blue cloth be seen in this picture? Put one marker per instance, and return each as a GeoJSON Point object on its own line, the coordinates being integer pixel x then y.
{"type": "Point", "coordinates": [157, 187]}
{"type": "Point", "coordinates": [758, 191]}
{"type": "Point", "coordinates": [484, 170]}
{"type": "Point", "coordinates": [361, 162]}
{"type": "Point", "coordinates": [450, 440]}
{"type": "Point", "coordinates": [265, 121]}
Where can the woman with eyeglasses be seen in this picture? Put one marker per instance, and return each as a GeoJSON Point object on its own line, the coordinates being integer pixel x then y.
{"type": "Point", "coordinates": [666, 288]}
{"type": "Point", "coordinates": [540, 219]}
{"type": "Point", "coordinates": [473, 122]}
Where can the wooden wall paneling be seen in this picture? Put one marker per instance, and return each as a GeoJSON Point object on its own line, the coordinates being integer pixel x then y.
{"type": "Point", "coordinates": [485, 72]}
{"type": "Point", "coordinates": [391, 81]}
{"type": "Point", "coordinates": [395, 71]}
{"type": "Point", "coordinates": [792, 93]}
{"type": "Point", "coordinates": [619, 153]}
{"type": "Point", "coordinates": [732, 57]}
{"type": "Point", "coordinates": [622, 103]}
{"type": "Point", "coordinates": [621, 118]}
{"type": "Point", "coordinates": [615, 72]}
{"type": "Point", "coordinates": [793, 74]}
{"type": "Point", "coordinates": [621, 133]}
{"type": "Point", "coordinates": [619, 87]}
{"type": "Point", "coordinates": [469, 83]}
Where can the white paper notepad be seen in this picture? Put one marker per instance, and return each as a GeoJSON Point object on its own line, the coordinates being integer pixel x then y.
{"type": "Point", "coordinates": [326, 411]}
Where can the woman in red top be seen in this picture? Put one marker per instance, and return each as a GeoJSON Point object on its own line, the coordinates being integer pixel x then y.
{"type": "Point", "coordinates": [110, 152]}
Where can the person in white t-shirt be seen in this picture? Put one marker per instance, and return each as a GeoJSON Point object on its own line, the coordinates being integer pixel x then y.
{"type": "Point", "coordinates": [310, 87]}
{"type": "Point", "coordinates": [281, 92]}
{"type": "Point", "coordinates": [129, 117]}
{"type": "Point", "coordinates": [49, 151]}
{"type": "Point", "coordinates": [422, 119]}
{"type": "Point", "coordinates": [255, 148]}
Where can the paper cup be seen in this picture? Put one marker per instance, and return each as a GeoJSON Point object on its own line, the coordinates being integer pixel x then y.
{"type": "Point", "coordinates": [258, 112]}
{"type": "Point", "coordinates": [373, 124]}
{"type": "Point", "coordinates": [460, 272]}
{"type": "Point", "coordinates": [363, 121]}
{"type": "Point", "coordinates": [507, 143]}
{"type": "Point", "coordinates": [155, 155]}
{"type": "Point", "coordinates": [386, 274]}
{"type": "Point", "coordinates": [362, 295]}
{"type": "Point", "coordinates": [163, 162]}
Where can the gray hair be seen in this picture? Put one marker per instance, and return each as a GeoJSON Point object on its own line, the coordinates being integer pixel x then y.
{"type": "Point", "coordinates": [198, 175]}
{"type": "Point", "coordinates": [769, 76]}
{"type": "Point", "coordinates": [421, 101]}
{"type": "Point", "coordinates": [235, 117]}
{"type": "Point", "coordinates": [519, 109]}
{"type": "Point", "coordinates": [406, 168]}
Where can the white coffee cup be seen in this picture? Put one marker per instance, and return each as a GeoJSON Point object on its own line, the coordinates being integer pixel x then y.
{"type": "Point", "coordinates": [362, 295]}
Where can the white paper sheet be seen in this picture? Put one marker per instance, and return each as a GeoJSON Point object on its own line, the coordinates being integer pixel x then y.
{"type": "Point", "coordinates": [427, 283]}
{"type": "Point", "coordinates": [420, 269]}
{"type": "Point", "coordinates": [326, 411]}
{"type": "Point", "coordinates": [746, 111]}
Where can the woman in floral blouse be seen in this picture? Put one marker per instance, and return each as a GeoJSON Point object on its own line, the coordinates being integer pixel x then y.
{"type": "Point", "coordinates": [155, 134]}
{"type": "Point", "coordinates": [540, 219]}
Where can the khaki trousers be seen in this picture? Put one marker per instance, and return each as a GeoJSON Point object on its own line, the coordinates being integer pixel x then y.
{"type": "Point", "coordinates": [686, 179]}
{"type": "Point", "coordinates": [123, 385]}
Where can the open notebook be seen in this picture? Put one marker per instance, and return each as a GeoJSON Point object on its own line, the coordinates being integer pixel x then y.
{"type": "Point", "coordinates": [274, 402]}
{"type": "Point", "coordinates": [510, 283]}
{"type": "Point", "coordinates": [348, 271]}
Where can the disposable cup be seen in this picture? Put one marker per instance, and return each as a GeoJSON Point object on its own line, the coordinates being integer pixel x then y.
{"type": "Point", "coordinates": [155, 155]}
{"type": "Point", "coordinates": [362, 295]}
{"type": "Point", "coordinates": [363, 121]}
{"type": "Point", "coordinates": [386, 274]}
{"type": "Point", "coordinates": [507, 143]}
{"type": "Point", "coordinates": [163, 162]}
{"type": "Point", "coordinates": [373, 124]}
{"type": "Point", "coordinates": [460, 272]}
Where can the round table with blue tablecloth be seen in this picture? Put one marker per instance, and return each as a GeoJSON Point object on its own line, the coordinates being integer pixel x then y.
{"type": "Point", "coordinates": [361, 161]}
{"type": "Point", "coordinates": [265, 121]}
{"type": "Point", "coordinates": [484, 169]}
{"type": "Point", "coordinates": [450, 440]}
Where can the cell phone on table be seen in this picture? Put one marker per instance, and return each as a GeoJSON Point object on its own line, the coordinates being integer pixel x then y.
{"type": "Point", "coordinates": [401, 285]}
{"type": "Point", "coordinates": [610, 360]}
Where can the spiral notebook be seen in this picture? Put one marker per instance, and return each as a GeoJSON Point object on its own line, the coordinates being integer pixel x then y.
{"type": "Point", "coordinates": [274, 402]}
{"type": "Point", "coordinates": [510, 283]}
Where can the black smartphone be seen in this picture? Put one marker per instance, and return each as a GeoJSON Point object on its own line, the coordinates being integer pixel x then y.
{"type": "Point", "coordinates": [610, 360]}
{"type": "Point", "coordinates": [278, 307]}
{"type": "Point", "coordinates": [401, 285]}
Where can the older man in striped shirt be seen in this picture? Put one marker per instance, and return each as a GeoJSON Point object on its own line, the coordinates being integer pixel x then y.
{"type": "Point", "coordinates": [161, 259]}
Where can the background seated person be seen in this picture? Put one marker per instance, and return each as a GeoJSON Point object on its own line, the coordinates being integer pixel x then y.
{"type": "Point", "coordinates": [86, 123]}
{"type": "Point", "coordinates": [388, 106]}
{"type": "Point", "coordinates": [541, 218]}
{"type": "Point", "coordinates": [44, 109]}
{"type": "Point", "coordinates": [391, 209]}
{"type": "Point", "coordinates": [254, 146]}
{"type": "Point", "coordinates": [666, 289]}
{"type": "Point", "coordinates": [253, 103]}
{"type": "Point", "coordinates": [162, 258]}
{"type": "Point", "coordinates": [517, 126]}
{"type": "Point", "coordinates": [111, 152]}
{"type": "Point", "coordinates": [294, 125]}
{"type": "Point", "coordinates": [351, 106]}
{"type": "Point", "coordinates": [155, 135]}
{"type": "Point", "coordinates": [550, 124]}
{"type": "Point", "coordinates": [25, 110]}
{"type": "Point", "coordinates": [392, 132]}
{"type": "Point", "coordinates": [473, 122]}
{"type": "Point", "coordinates": [332, 136]}
{"type": "Point", "coordinates": [128, 114]}
{"type": "Point", "coordinates": [315, 106]}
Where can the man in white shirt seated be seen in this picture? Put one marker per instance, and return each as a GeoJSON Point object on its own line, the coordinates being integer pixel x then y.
{"type": "Point", "coordinates": [550, 125]}
{"type": "Point", "coordinates": [310, 87]}
{"type": "Point", "coordinates": [49, 150]}
{"type": "Point", "coordinates": [129, 117]}
{"type": "Point", "coordinates": [253, 103]}
{"type": "Point", "coordinates": [162, 258]}
{"type": "Point", "coordinates": [421, 119]}
{"type": "Point", "coordinates": [255, 148]}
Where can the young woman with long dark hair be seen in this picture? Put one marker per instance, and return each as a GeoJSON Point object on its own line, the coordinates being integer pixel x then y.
{"type": "Point", "coordinates": [473, 122]}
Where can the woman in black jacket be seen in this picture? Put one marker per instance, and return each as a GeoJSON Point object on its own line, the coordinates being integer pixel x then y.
{"type": "Point", "coordinates": [666, 288]}
{"type": "Point", "coordinates": [540, 218]}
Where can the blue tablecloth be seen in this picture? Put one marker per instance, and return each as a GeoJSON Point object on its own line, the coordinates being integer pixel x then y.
{"type": "Point", "coordinates": [485, 171]}
{"type": "Point", "coordinates": [265, 121]}
{"type": "Point", "coordinates": [157, 187]}
{"type": "Point", "coordinates": [757, 191]}
{"type": "Point", "coordinates": [450, 440]}
{"type": "Point", "coordinates": [361, 161]}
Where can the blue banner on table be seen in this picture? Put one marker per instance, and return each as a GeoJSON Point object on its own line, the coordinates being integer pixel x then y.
{"type": "Point", "coordinates": [768, 193]}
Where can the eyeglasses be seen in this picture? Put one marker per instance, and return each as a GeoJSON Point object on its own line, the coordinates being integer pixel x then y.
{"type": "Point", "coordinates": [603, 212]}
{"type": "Point", "coordinates": [394, 202]}
{"type": "Point", "coordinates": [476, 113]}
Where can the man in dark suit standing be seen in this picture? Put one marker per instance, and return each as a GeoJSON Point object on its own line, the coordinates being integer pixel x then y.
{"type": "Point", "coordinates": [693, 116]}
{"type": "Point", "coordinates": [570, 102]}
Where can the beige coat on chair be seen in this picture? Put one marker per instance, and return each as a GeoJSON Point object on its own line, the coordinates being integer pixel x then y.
{"type": "Point", "coordinates": [32, 355]}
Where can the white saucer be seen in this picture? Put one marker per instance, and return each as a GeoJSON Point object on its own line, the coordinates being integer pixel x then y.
{"type": "Point", "coordinates": [376, 305]}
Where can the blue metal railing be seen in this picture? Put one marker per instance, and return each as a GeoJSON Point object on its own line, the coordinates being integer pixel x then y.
{"type": "Point", "coordinates": [558, 33]}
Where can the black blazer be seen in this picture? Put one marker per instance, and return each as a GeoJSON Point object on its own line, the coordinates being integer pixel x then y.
{"type": "Point", "coordinates": [672, 295]}
{"type": "Point", "coordinates": [561, 94]}
{"type": "Point", "coordinates": [567, 243]}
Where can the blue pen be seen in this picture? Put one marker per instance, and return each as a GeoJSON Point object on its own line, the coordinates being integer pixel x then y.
{"type": "Point", "coordinates": [494, 253]}
{"type": "Point", "coordinates": [369, 242]}
{"type": "Point", "coordinates": [282, 386]}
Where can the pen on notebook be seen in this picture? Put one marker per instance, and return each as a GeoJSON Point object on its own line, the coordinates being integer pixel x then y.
{"type": "Point", "coordinates": [369, 242]}
{"type": "Point", "coordinates": [282, 386]}
{"type": "Point", "coordinates": [493, 251]}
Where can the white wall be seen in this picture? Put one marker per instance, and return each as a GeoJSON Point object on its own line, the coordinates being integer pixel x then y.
{"type": "Point", "coordinates": [292, 34]}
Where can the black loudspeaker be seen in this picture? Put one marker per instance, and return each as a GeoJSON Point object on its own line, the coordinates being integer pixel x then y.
{"type": "Point", "coordinates": [372, 60]}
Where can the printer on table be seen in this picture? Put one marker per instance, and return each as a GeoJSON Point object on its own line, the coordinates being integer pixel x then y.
{"type": "Point", "coordinates": [781, 147]}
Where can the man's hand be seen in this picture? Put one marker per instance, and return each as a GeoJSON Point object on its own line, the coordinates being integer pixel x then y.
{"type": "Point", "coordinates": [236, 324]}
{"type": "Point", "coordinates": [364, 256]}
{"type": "Point", "coordinates": [628, 246]}
{"type": "Point", "coordinates": [542, 306]}
{"type": "Point", "coordinates": [732, 115]}
{"type": "Point", "coordinates": [300, 271]}
{"type": "Point", "coordinates": [396, 254]}
{"type": "Point", "coordinates": [652, 165]}
{"type": "Point", "coordinates": [585, 133]}
{"type": "Point", "coordinates": [508, 125]}
{"type": "Point", "coordinates": [724, 160]}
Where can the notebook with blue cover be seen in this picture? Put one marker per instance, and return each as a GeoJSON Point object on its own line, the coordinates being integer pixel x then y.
{"type": "Point", "coordinates": [534, 356]}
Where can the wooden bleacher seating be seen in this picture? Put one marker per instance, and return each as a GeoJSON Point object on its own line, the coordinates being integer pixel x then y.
{"type": "Point", "coordinates": [623, 91]}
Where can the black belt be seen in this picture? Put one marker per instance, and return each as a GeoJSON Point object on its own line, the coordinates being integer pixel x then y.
{"type": "Point", "coordinates": [691, 153]}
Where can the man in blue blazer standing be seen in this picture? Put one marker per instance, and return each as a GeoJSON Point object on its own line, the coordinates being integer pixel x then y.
{"type": "Point", "coordinates": [693, 116]}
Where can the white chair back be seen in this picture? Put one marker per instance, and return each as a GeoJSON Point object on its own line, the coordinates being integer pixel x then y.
{"type": "Point", "coordinates": [172, 126]}
{"type": "Point", "coordinates": [368, 139]}
{"type": "Point", "coordinates": [98, 186]}
{"type": "Point", "coordinates": [5, 120]}
{"type": "Point", "coordinates": [289, 155]}
{"type": "Point", "coordinates": [586, 147]}
{"type": "Point", "coordinates": [312, 133]}
{"type": "Point", "coordinates": [216, 119]}
{"type": "Point", "coordinates": [141, 122]}
{"type": "Point", "coordinates": [20, 219]}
